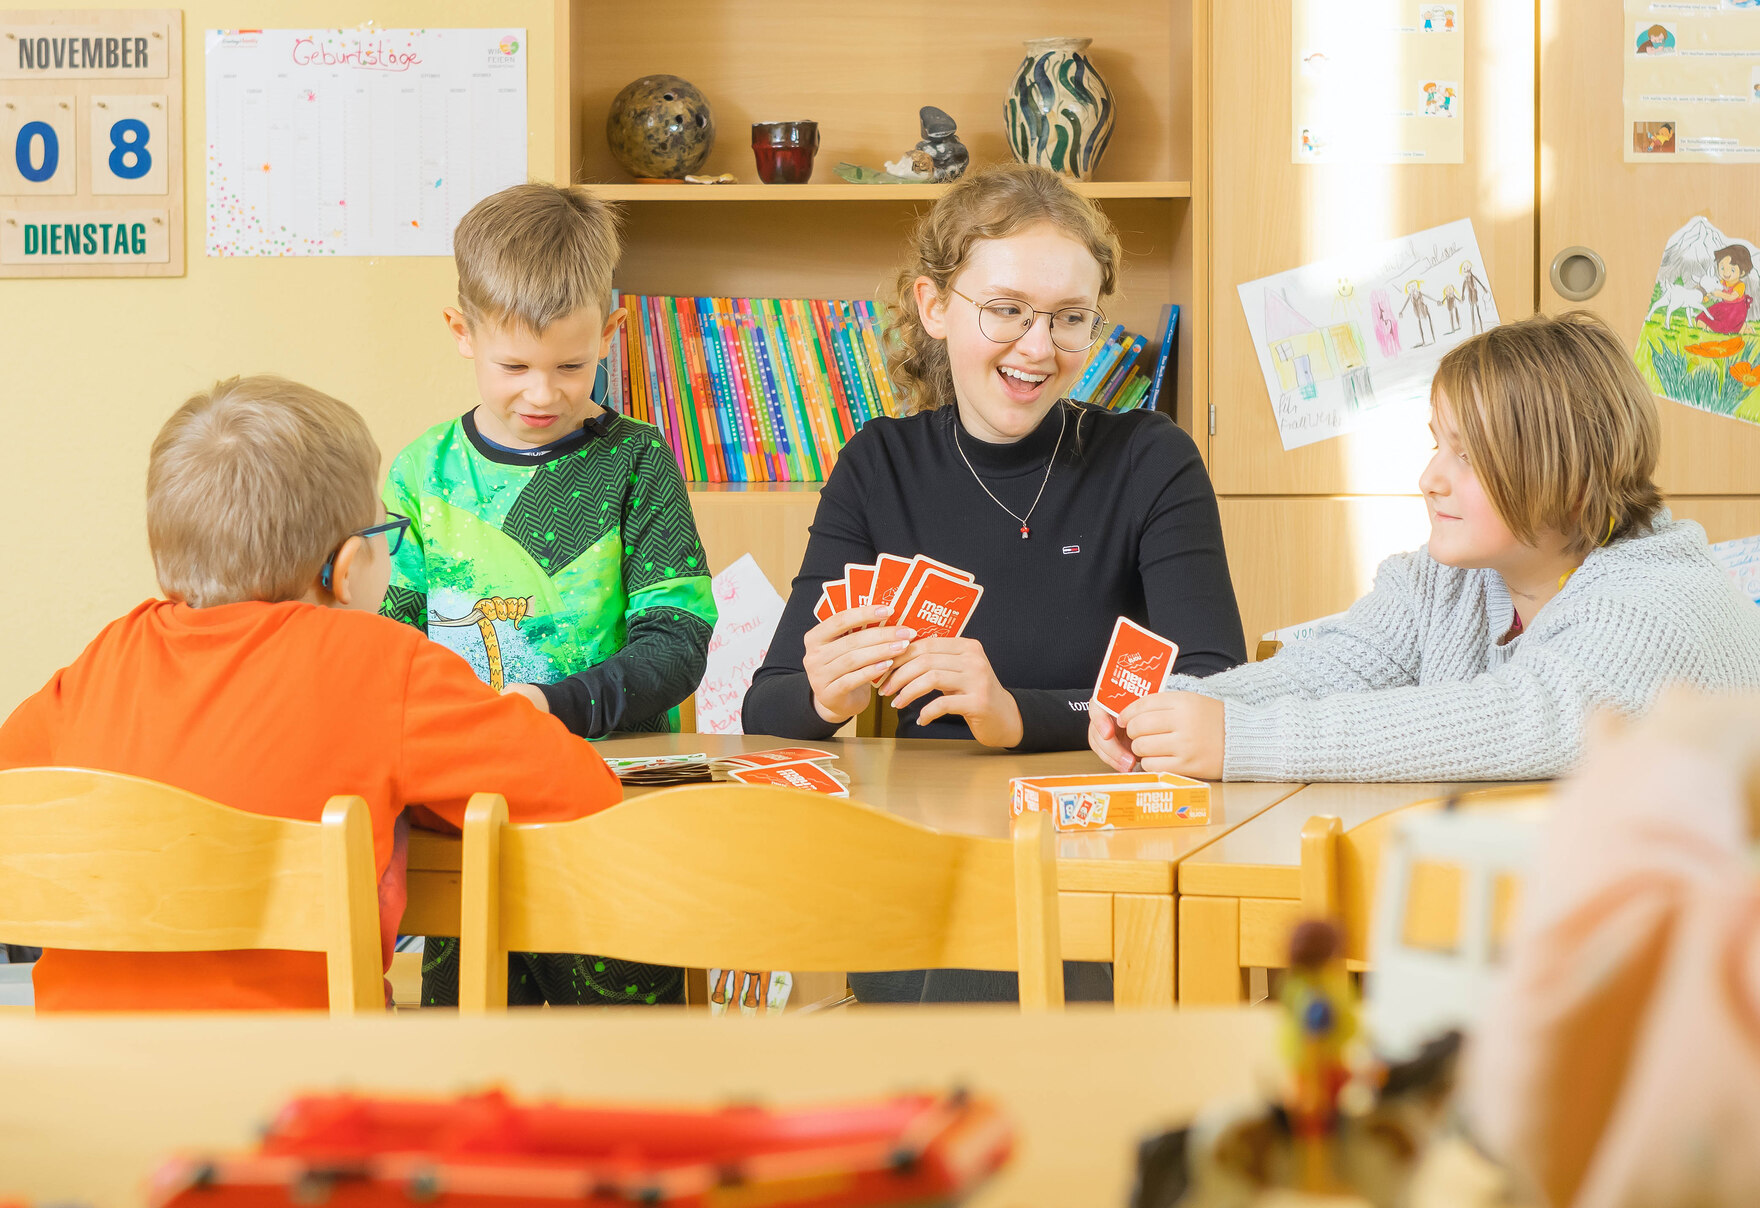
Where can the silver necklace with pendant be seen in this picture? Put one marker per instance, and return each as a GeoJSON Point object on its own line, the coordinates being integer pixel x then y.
{"type": "Point", "coordinates": [1026, 530]}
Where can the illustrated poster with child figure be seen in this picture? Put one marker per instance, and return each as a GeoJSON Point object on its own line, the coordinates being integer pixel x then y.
{"type": "Point", "coordinates": [1691, 82]}
{"type": "Point", "coordinates": [1700, 344]}
{"type": "Point", "coordinates": [1350, 340]}
{"type": "Point", "coordinates": [327, 142]}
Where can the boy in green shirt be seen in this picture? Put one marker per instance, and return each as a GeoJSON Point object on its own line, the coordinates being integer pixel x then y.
{"type": "Point", "coordinates": [552, 543]}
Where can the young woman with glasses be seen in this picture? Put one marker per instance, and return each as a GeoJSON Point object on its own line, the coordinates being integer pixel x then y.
{"type": "Point", "coordinates": [1068, 515]}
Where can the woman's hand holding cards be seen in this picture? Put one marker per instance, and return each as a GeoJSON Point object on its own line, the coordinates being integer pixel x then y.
{"type": "Point", "coordinates": [959, 669]}
{"type": "Point", "coordinates": [843, 659]}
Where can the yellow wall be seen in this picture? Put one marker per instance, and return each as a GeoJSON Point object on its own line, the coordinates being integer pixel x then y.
{"type": "Point", "coordinates": [89, 369]}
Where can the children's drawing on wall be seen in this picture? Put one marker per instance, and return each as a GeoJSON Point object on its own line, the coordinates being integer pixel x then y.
{"type": "Point", "coordinates": [1654, 40]}
{"type": "Point", "coordinates": [1437, 18]}
{"type": "Point", "coordinates": [748, 992]}
{"type": "Point", "coordinates": [1440, 98]}
{"type": "Point", "coordinates": [1653, 138]}
{"type": "Point", "coordinates": [1754, 80]}
{"type": "Point", "coordinates": [1312, 331]}
{"type": "Point", "coordinates": [1701, 339]}
{"type": "Point", "coordinates": [1741, 559]}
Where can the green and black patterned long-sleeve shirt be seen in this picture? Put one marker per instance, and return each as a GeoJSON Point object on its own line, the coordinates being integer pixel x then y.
{"type": "Point", "coordinates": [576, 567]}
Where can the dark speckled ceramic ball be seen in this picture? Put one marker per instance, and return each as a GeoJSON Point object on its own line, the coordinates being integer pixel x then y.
{"type": "Point", "coordinates": [660, 126]}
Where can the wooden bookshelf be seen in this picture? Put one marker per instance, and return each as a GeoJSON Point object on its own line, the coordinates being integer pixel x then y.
{"type": "Point", "coordinates": [862, 72]}
{"type": "Point", "coordinates": [845, 192]}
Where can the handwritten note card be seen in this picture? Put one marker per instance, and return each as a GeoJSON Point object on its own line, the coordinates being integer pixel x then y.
{"type": "Point", "coordinates": [749, 610]}
{"type": "Point", "coordinates": [1741, 558]}
{"type": "Point", "coordinates": [358, 143]}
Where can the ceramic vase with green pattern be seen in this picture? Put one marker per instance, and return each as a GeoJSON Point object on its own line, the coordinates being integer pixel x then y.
{"type": "Point", "coordinates": [1059, 111]}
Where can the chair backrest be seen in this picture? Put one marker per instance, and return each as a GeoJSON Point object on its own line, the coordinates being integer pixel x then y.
{"type": "Point", "coordinates": [749, 877]}
{"type": "Point", "coordinates": [1340, 870]}
{"type": "Point", "coordinates": [103, 862]}
{"type": "Point", "coordinates": [1435, 959]}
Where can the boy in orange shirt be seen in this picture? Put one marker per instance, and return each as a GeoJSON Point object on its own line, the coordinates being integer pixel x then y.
{"type": "Point", "coordinates": [267, 681]}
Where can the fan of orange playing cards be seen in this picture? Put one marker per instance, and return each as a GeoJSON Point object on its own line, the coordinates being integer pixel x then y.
{"type": "Point", "coordinates": [930, 597]}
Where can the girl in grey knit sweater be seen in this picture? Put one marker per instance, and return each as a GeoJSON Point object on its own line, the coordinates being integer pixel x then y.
{"type": "Point", "coordinates": [1553, 583]}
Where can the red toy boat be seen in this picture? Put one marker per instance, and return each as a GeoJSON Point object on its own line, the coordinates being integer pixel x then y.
{"type": "Point", "coordinates": [485, 1151]}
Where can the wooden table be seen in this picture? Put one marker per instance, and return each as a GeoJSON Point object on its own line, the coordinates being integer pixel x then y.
{"type": "Point", "coordinates": [1117, 888]}
{"type": "Point", "coordinates": [1239, 896]}
{"type": "Point", "coordinates": [92, 1104]}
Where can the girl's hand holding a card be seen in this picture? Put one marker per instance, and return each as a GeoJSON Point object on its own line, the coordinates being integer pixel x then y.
{"type": "Point", "coordinates": [844, 658]}
{"type": "Point", "coordinates": [1134, 725]}
{"type": "Point", "coordinates": [1179, 732]}
{"type": "Point", "coordinates": [959, 669]}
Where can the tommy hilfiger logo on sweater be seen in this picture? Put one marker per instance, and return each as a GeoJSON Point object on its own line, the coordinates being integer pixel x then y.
{"type": "Point", "coordinates": [1072, 549]}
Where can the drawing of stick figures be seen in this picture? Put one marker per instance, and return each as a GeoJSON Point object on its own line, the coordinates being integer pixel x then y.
{"type": "Point", "coordinates": [1471, 287]}
{"type": "Point", "coordinates": [1417, 302]}
{"type": "Point", "coordinates": [489, 610]}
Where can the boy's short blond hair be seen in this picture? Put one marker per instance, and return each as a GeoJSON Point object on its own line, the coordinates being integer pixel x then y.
{"type": "Point", "coordinates": [1562, 432]}
{"type": "Point", "coordinates": [251, 486]}
{"type": "Point", "coordinates": [535, 253]}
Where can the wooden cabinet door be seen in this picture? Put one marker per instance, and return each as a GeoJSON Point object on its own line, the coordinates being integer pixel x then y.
{"type": "Point", "coordinates": [1591, 198]}
{"type": "Point", "coordinates": [1271, 215]}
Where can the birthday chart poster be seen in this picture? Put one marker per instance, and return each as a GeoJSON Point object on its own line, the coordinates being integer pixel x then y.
{"type": "Point", "coordinates": [364, 142]}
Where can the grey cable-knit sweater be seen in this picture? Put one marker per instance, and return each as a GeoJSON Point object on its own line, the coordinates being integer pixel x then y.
{"type": "Point", "coordinates": [1411, 683]}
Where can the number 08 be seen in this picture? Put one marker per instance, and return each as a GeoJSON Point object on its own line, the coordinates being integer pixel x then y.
{"type": "Point", "coordinates": [129, 157]}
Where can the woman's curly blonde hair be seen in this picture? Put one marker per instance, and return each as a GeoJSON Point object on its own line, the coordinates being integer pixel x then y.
{"type": "Point", "coordinates": [989, 203]}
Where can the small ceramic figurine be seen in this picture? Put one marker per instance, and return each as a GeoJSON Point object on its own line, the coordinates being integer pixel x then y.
{"type": "Point", "coordinates": [938, 156]}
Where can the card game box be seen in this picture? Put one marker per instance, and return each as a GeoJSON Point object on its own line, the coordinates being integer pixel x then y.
{"type": "Point", "coordinates": [1114, 800]}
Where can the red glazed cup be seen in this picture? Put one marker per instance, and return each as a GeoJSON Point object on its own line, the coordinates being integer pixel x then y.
{"type": "Point", "coordinates": [784, 151]}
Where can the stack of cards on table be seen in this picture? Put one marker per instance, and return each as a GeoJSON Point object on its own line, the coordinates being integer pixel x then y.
{"type": "Point", "coordinates": [787, 768]}
{"type": "Point", "coordinates": [1137, 664]}
{"type": "Point", "coordinates": [930, 597]}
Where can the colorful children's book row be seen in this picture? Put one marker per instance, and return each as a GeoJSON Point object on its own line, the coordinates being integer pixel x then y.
{"type": "Point", "coordinates": [751, 389]}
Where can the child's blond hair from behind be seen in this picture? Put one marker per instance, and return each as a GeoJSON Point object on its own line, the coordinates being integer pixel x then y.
{"type": "Point", "coordinates": [535, 253]}
{"type": "Point", "coordinates": [1561, 431]}
{"type": "Point", "coordinates": [251, 486]}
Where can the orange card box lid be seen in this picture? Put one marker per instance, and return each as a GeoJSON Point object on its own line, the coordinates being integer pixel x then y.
{"type": "Point", "coordinates": [1115, 800]}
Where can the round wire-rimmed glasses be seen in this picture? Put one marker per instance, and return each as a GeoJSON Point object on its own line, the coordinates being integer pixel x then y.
{"type": "Point", "coordinates": [1005, 320]}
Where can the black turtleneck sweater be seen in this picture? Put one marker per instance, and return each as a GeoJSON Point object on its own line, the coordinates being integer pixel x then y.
{"type": "Point", "coordinates": [1127, 526]}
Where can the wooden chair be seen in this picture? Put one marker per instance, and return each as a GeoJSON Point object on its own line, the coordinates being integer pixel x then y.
{"type": "Point", "coordinates": [1340, 874]}
{"type": "Point", "coordinates": [103, 862]}
{"type": "Point", "coordinates": [749, 877]}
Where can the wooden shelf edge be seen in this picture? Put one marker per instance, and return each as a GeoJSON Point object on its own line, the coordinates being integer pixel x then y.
{"type": "Point", "coordinates": [1104, 190]}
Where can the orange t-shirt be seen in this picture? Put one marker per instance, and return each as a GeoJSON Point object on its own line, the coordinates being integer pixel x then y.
{"type": "Point", "coordinates": [275, 708]}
